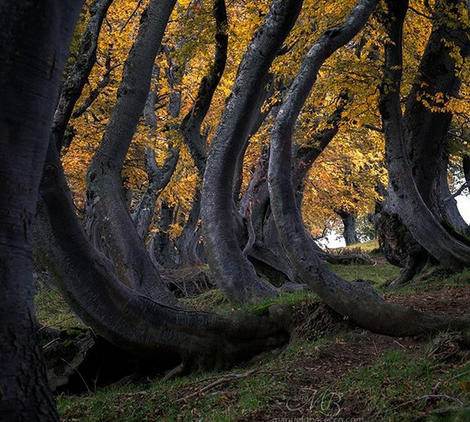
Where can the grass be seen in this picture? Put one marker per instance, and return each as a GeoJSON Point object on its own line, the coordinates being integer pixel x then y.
{"type": "Point", "coordinates": [251, 389]}
{"type": "Point", "coordinates": [394, 387]}
{"type": "Point", "coordinates": [53, 311]}
{"type": "Point", "coordinates": [403, 386]}
{"type": "Point", "coordinates": [378, 273]}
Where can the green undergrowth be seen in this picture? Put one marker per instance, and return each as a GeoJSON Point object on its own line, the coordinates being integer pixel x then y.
{"type": "Point", "coordinates": [436, 279]}
{"type": "Point", "coordinates": [52, 310]}
{"type": "Point", "coordinates": [378, 273]}
{"type": "Point", "coordinates": [397, 382]}
{"type": "Point", "coordinates": [404, 384]}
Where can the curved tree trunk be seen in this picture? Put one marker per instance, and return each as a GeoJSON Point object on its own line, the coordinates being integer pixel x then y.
{"type": "Point", "coordinates": [78, 76]}
{"type": "Point", "coordinates": [159, 177]}
{"type": "Point", "coordinates": [420, 220]}
{"type": "Point", "coordinates": [447, 203]}
{"type": "Point", "coordinates": [356, 300]}
{"type": "Point", "coordinates": [236, 276]}
{"type": "Point", "coordinates": [426, 132]}
{"type": "Point", "coordinates": [188, 244]}
{"type": "Point", "coordinates": [109, 221]}
{"type": "Point", "coordinates": [131, 321]}
{"type": "Point", "coordinates": [466, 169]}
{"type": "Point", "coordinates": [33, 46]}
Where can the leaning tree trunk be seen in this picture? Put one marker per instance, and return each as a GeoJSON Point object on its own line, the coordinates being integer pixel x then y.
{"type": "Point", "coordinates": [158, 176]}
{"type": "Point", "coordinates": [355, 300]}
{"type": "Point", "coordinates": [109, 221]}
{"type": "Point", "coordinates": [33, 46]}
{"type": "Point", "coordinates": [72, 87]}
{"type": "Point", "coordinates": [424, 225]}
{"type": "Point", "coordinates": [466, 169]}
{"type": "Point", "coordinates": [447, 203]}
{"type": "Point", "coordinates": [426, 129]}
{"type": "Point", "coordinates": [90, 284]}
{"type": "Point", "coordinates": [236, 276]}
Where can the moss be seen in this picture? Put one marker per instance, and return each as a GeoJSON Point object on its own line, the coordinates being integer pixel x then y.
{"type": "Point", "coordinates": [53, 311]}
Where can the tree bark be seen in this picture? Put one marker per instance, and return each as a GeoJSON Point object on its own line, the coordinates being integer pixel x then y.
{"type": "Point", "coordinates": [131, 321]}
{"type": "Point", "coordinates": [158, 177]}
{"type": "Point", "coordinates": [349, 227]}
{"type": "Point", "coordinates": [33, 47]}
{"type": "Point", "coordinates": [420, 220]}
{"type": "Point", "coordinates": [355, 300]}
{"type": "Point", "coordinates": [109, 221]}
{"type": "Point", "coordinates": [78, 76]}
{"type": "Point", "coordinates": [236, 276]}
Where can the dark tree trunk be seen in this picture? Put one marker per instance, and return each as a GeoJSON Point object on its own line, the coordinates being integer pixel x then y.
{"type": "Point", "coordinates": [33, 46]}
{"type": "Point", "coordinates": [78, 75]}
{"type": "Point", "coordinates": [466, 169]}
{"type": "Point", "coordinates": [234, 273]}
{"type": "Point", "coordinates": [349, 227]}
{"type": "Point", "coordinates": [447, 204]}
{"type": "Point", "coordinates": [158, 177]}
{"type": "Point", "coordinates": [420, 217]}
{"type": "Point", "coordinates": [109, 221]}
{"type": "Point", "coordinates": [356, 300]}
{"type": "Point", "coordinates": [161, 246]}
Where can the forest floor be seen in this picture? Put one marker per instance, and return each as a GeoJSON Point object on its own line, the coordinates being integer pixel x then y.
{"type": "Point", "coordinates": [329, 371]}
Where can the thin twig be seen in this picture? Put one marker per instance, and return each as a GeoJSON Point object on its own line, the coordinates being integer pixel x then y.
{"type": "Point", "coordinates": [217, 382]}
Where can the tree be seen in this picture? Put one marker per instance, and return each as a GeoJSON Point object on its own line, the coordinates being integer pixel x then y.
{"type": "Point", "coordinates": [34, 41]}
{"type": "Point", "coordinates": [417, 210]}
{"type": "Point", "coordinates": [357, 300]}
{"type": "Point", "coordinates": [236, 276]}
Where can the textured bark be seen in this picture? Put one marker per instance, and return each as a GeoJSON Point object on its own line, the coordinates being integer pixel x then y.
{"type": "Point", "coordinates": [131, 321]}
{"type": "Point", "coordinates": [192, 122]}
{"type": "Point", "coordinates": [109, 222]}
{"type": "Point", "coordinates": [190, 251]}
{"type": "Point", "coordinates": [33, 47]}
{"type": "Point", "coordinates": [349, 227]}
{"type": "Point", "coordinates": [158, 176]}
{"type": "Point", "coordinates": [78, 75]}
{"type": "Point", "coordinates": [355, 300]}
{"type": "Point", "coordinates": [447, 204]}
{"type": "Point", "coordinates": [236, 276]}
{"type": "Point", "coordinates": [425, 134]}
{"type": "Point", "coordinates": [418, 217]}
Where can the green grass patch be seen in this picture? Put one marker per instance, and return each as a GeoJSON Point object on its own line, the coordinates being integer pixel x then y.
{"type": "Point", "coordinates": [53, 311]}
{"type": "Point", "coordinates": [378, 273]}
{"type": "Point", "coordinates": [406, 386]}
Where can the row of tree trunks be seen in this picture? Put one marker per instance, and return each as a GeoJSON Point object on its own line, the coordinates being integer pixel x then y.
{"type": "Point", "coordinates": [34, 42]}
{"type": "Point", "coordinates": [265, 251]}
{"type": "Point", "coordinates": [235, 274]}
{"type": "Point", "coordinates": [356, 300]}
{"type": "Point", "coordinates": [134, 322]}
{"type": "Point", "coordinates": [109, 222]}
